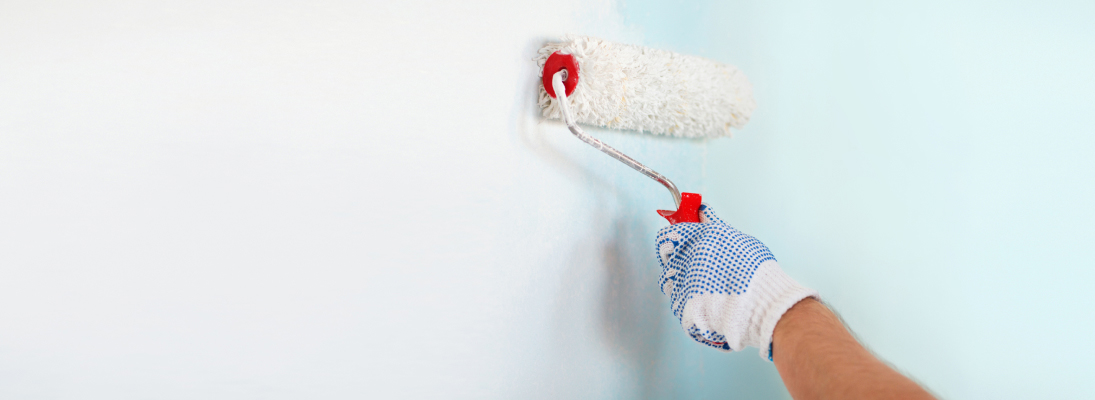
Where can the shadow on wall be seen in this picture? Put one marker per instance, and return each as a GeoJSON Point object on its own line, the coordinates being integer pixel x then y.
{"type": "Point", "coordinates": [615, 258]}
{"type": "Point", "coordinates": [632, 309]}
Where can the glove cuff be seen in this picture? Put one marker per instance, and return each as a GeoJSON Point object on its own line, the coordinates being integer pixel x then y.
{"type": "Point", "coordinates": [774, 292]}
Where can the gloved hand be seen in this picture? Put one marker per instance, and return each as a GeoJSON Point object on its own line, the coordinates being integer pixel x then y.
{"type": "Point", "coordinates": [725, 286]}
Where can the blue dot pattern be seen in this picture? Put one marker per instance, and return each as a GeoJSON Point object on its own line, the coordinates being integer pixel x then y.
{"type": "Point", "coordinates": [706, 258]}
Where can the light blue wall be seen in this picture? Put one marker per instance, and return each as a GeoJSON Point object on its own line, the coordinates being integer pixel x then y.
{"type": "Point", "coordinates": [928, 166]}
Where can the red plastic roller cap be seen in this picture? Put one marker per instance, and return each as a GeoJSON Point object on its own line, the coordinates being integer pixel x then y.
{"type": "Point", "coordinates": [558, 62]}
{"type": "Point", "coordinates": [689, 211]}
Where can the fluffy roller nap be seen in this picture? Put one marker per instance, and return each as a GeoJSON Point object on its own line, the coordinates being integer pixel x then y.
{"type": "Point", "coordinates": [638, 88]}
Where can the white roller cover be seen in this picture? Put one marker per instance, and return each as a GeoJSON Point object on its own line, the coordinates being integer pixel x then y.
{"type": "Point", "coordinates": [631, 87]}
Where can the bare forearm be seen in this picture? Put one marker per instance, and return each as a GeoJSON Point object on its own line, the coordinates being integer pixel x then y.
{"type": "Point", "coordinates": [819, 359]}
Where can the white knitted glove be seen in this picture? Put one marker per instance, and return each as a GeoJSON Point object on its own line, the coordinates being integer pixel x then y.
{"type": "Point", "coordinates": [725, 286]}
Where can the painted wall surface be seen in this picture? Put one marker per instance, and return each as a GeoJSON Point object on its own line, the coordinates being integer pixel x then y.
{"type": "Point", "coordinates": [333, 199]}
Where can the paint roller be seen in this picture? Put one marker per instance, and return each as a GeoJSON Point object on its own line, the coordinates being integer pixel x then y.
{"type": "Point", "coordinates": [629, 87]}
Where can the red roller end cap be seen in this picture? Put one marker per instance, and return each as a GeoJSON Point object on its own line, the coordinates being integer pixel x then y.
{"type": "Point", "coordinates": [558, 62]}
{"type": "Point", "coordinates": [689, 211]}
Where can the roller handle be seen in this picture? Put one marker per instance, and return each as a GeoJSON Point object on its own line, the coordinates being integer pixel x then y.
{"type": "Point", "coordinates": [561, 72]}
{"type": "Point", "coordinates": [687, 211]}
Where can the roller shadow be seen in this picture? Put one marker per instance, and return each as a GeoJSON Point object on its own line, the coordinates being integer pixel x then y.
{"type": "Point", "coordinates": [629, 318]}
{"type": "Point", "coordinates": [632, 307]}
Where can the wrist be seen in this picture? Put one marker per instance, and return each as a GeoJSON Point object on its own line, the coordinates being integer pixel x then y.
{"type": "Point", "coordinates": [802, 323]}
{"type": "Point", "coordinates": [774, 293]}
{"type": "Point", "coordinates": [811, 336]}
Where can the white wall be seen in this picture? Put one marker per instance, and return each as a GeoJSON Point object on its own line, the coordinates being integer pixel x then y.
{"type": "Point", "coordinates": [320, 200]}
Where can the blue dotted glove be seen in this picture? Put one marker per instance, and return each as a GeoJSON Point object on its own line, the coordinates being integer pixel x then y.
{"type": "Point", "coordinates": [725, 287]}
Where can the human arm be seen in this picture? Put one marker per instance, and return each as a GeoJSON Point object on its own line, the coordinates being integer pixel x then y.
{"type": "Point", "coordinates": [729, 292]}
{"type": "Point", "coordinates": [819, 359]}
